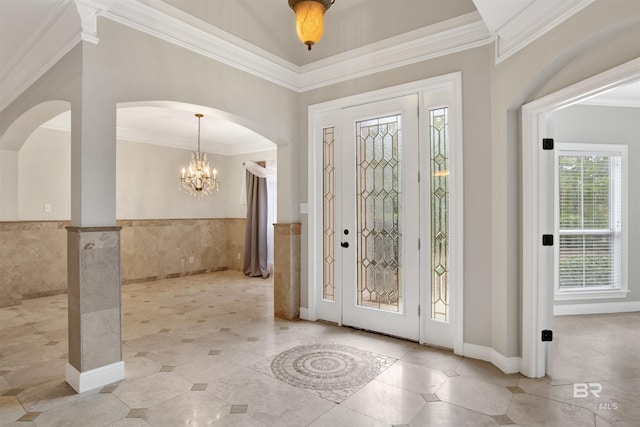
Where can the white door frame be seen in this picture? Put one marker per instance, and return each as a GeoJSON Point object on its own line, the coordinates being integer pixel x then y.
{"type": "Point", "coordinates": [320, 115]}
{"type": "Point", "coordinates": [536, 310]}
{"type": "Point", "coordinates": [405, 322]}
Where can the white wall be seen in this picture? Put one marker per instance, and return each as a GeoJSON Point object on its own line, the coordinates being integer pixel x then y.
{"type": "Point", "coordinates": [579, 48]}
{"type": "Point", "coordinates": [146, 181]}
{"type": "Point", "coordinates": [8, 185]}
{"type": "Point", "coordinates": [131, 67]}
{"type": "Point", "coordinates": [610, 125]}
{"type": "Point", "coordinates": [45, 176]}
{"type": "Point", "coordinates": [147, 184]}
{"type": "Point", "coordinates": [136, 67]}
{"type": "Point", "coordinates": [474, 65]}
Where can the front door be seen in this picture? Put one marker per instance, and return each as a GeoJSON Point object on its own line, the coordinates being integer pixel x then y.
{"type": "Point", "coordinates": [385, 225]}
{"type": "Point", "coordinates": [380, 205]}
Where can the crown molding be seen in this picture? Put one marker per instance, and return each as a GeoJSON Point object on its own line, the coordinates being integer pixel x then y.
{"type": "Point", "coordinates": [58, 33]}
{"type": "Point", "coordinates": [174, 26]}
{"type": "Point", "coordinates": [56, 13]}
{"type": "Point", "coordinates": [63, 30]}
{"type": "Point", "coordinates": [532, 22]}
{"type": "Point", "coordinates": [89, 10]}
{"type": "Point", "coordinates": [627, 96]}
{"type": "Point", "coordinates": [444, 38]}
{"type": "Point", "coordinates": [610, 102]}
{"type": "Point", "coordinates": [623, 74]}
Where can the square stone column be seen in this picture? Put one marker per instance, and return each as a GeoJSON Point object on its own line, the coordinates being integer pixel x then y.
{"type": "Point", "coordinates": [95, 331]}
{"type": "Point", "coordinates": [286, 270]}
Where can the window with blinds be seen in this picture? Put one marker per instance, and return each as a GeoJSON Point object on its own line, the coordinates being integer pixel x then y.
{"type": "Point", "coordinates": [589, 218]}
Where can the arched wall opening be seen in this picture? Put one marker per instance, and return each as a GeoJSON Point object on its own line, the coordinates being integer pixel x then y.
{"type": "Point", "coordinates": [166, 235]}
{"type": "Point", "coordinates": [169, 231]}
{"type": "Point", "coordinates": [547, 65]}
{"type": "Point", "coordinates": [538, 262]}
{"type": "Point", "coordinates": [166, 232]}
{"type": "Point", "coordinates": [28, 154]}
{"type": "Point", "coordinates": [34, 162]}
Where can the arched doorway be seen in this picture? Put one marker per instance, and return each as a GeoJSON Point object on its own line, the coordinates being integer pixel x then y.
{"type": "Point", "coordinates": [538, 260]}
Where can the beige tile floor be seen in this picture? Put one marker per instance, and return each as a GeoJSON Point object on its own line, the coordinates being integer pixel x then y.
{"type": "Point", "coordinates": [189, 344]}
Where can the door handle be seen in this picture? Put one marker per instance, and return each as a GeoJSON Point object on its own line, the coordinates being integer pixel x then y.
{"type": "Point", "coordinates": [344, 244]}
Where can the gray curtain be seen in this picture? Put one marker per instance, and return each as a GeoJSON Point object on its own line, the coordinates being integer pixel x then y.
{"type": "Point", "coordinates": [255, 241]}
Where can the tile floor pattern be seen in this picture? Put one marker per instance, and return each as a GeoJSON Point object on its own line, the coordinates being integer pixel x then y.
{"type": "Point", "coordinates": [331, 371]}
{"type": "Point", "coordinates": [189, 345]}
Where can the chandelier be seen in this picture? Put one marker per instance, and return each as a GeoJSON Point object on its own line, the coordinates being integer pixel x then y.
{"type": "Point", "coordinates": [199, 179]}
{"type": "Point", "coordinates": [309, 19]}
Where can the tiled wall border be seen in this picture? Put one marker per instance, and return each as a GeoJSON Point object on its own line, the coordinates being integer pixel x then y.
{"type": "Point", "coordinates": [172, 276]}
{"type": "Point", "coordinates": [13, 291]}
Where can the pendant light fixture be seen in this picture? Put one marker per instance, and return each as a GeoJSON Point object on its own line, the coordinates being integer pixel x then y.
{"type": "Point", "coordinates": [199, 179]}
{"type": "Point", "coordinates": [310, 19]}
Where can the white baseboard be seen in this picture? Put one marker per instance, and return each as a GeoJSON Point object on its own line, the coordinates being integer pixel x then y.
{"type": "Point", "coordinates": [508, 365]}
{"type": "Point", "coordinates": [89, 380]}
{"type": "Point", "coordinates": [304, 313]}
{"type": "Point", "coordinates": [596, 308]}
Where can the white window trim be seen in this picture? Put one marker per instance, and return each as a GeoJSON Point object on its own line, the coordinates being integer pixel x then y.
{"type": "Point", "coordinates": [590, 294]}
{"type": "Point", "coordinates": [603, 292]}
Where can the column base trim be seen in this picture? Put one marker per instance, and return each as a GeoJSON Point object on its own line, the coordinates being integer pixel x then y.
{"type": "Point", "coordinates": [304, 314]}
{"type": "Point", "coordinates": [76, 229]}
{"type": "Point", "coordinates": [90, 380]}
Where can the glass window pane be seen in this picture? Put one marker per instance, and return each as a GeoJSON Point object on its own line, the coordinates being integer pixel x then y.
{"type": "Point", "coordinates": [439, 184]}
{"type": "Point", "coordinates": [588, 212]}
{"type": "Point", "coordinates": [329, 213]}
{"type": "Point", "coordinates": [584, 184]}
{"type": "Point", "coordinates": [378, 192]}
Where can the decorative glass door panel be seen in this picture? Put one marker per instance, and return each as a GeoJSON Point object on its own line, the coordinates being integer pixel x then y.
{"type": "Point", "coordinates": [380, 217]}
{"type": "Point", "coordinates": [378, 193]}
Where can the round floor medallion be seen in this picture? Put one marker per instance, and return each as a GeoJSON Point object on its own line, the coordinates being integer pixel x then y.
{"type": "Point", "coordinates": [324, 366]}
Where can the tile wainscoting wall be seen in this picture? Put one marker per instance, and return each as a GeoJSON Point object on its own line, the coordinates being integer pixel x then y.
{"type": "Point", "coordinates": [33, 254]}
{"type": "Point", "coordinates": [33, 260]}
{"type": "Point", "coordinates": [160, 249]}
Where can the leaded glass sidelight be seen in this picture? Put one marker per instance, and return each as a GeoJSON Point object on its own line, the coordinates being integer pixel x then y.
{"type": "Point", "coordinates": [329, 214]}
{"type": "Point", "coordinates": [378, 213]}
{"type": "Point", "coordinates": [439, 163]}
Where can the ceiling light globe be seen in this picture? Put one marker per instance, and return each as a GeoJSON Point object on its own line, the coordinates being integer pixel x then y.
{"type": "Point", "coordinates": [309, 19]}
